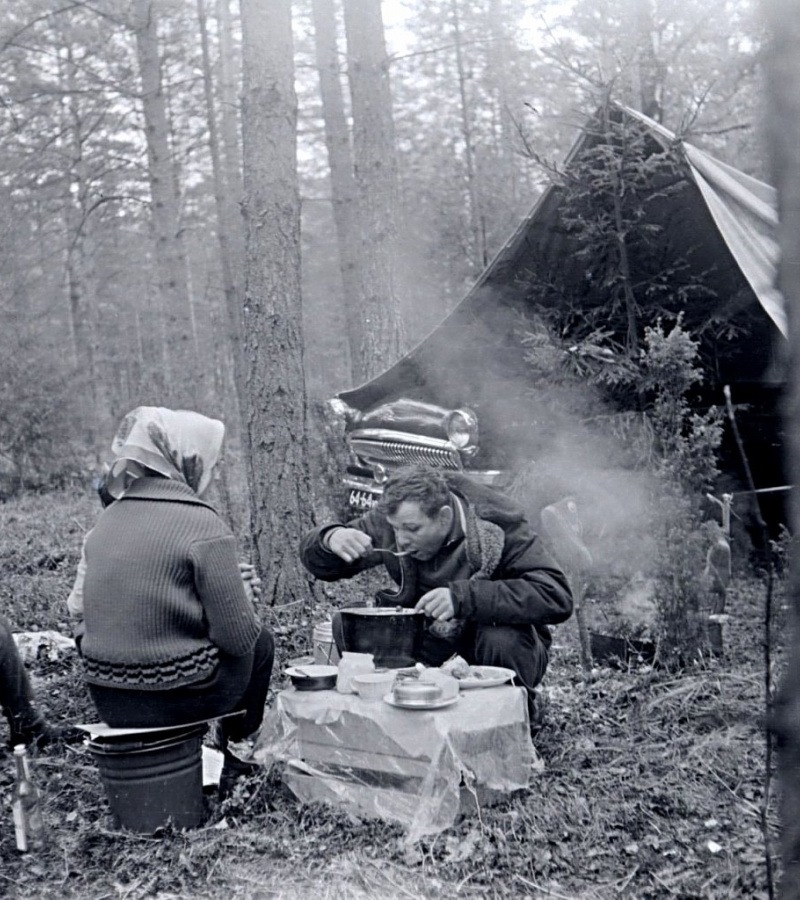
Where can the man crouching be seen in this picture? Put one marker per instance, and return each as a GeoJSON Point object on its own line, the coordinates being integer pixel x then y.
{"type": "Point", "coordinates": [471, 563]}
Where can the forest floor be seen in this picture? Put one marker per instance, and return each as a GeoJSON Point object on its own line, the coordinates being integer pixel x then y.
{"type": "Point", "coordinates": [654, 784]}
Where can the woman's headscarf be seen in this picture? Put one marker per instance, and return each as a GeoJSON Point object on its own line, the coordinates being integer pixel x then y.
{"type": "Point", "coordinates": [178, 444]}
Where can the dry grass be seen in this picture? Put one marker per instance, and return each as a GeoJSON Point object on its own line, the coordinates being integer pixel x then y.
{"type": "Point", "coordinates": [653, 784]}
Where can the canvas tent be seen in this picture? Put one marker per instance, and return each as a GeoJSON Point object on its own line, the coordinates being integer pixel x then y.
{"type": "Point", "coordinates": [723, 221]}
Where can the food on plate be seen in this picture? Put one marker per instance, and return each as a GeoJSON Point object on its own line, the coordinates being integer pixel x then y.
{"type": "Point", "coordinates": [456, 666]}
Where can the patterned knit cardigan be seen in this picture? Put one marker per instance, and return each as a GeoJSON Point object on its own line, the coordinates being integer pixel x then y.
{"type": "Point", "coordinates": [163, 598]}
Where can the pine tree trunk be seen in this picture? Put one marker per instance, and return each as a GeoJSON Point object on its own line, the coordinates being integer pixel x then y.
{"type": "Point", "coordinates": [228, 81]}
{"type": "Point", "coordinates": [648, 72]}
{"type": "Point", "coordinates": [782, 61]}
{"type": "Point", "coordinates": [478, 250]}
{"type": "Point", "coordinates": [343, 185]}
{"type": "Point", "coordinates": [374, 154]}
{"type": "Point", "coordinates": [181, 387]}
{"type": "Point", "coordinates": [276, 412]}
{"type": "Point", "coordinates": [500, 53]}
{"type": "Point", "coordinates": [227, 245]}
{"type": "Point", "coordinates": [79, 290]}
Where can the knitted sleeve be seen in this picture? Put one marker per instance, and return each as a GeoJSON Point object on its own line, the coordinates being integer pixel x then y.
{"type": "Point", "coordinates": [232, 622]}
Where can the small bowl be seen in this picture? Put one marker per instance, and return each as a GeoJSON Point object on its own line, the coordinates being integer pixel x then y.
{"type": "Point", "coordinates": [417, 692]}
{"type": "Point", "coordinates": [373, 685]}
{"type": "Point", "coordinates": [313, 678]}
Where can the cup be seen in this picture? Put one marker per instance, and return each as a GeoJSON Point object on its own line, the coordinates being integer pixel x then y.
{"type": "Point", "coordinates": [373, 685]}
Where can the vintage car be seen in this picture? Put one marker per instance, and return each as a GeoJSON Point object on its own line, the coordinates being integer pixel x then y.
{"type": "Point", "coordinates": [465, 399]}
{"type": "Point", "coordinates": [406, 431]}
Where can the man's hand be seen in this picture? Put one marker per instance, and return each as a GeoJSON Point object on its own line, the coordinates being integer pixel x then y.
{"type": "Point", "coordinates": [438, 604]}
{"type": "Point", "coordinates": [348, 543]}
{"type": "Point", "coordinates": [250, 580]}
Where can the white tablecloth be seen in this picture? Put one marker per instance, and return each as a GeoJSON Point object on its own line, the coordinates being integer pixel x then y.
{"type": "Point", "coordinates": [408, 766]}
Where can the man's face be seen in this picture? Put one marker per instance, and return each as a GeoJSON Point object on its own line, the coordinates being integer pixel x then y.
{"type": "Point", "coordinates": [416, 532]}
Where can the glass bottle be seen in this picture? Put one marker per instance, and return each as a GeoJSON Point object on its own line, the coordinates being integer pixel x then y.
{"type": "Point", "coordinates": [26, 805]}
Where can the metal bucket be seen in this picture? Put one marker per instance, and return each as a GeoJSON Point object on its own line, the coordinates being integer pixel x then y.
{"type": "Point", "coordinates": [153, 779]}
{"type": "Point", "coordinates": [325, 652]}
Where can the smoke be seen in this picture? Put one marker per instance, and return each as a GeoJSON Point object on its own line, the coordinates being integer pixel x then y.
{"type": "Point", "coordinates": [616, 504]}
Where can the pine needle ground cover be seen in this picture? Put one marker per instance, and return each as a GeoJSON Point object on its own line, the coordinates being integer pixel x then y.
{"type": "Point", "coordinates": [653, 783]}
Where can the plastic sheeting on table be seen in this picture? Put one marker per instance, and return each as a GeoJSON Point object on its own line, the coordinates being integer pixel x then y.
{"type": "Point", "coordinates": [399, 765]}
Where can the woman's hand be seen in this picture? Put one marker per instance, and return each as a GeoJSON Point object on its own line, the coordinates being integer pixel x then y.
{"type": "Point", "coordinates": [250, 580]}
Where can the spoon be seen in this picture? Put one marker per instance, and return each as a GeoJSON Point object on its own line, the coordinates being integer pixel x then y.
{"type": "Point", "coordinates": [397, 553]}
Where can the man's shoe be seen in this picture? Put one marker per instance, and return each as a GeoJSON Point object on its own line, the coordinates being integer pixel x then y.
{"type": "Point", "coordinates": [538, 712]}
{"type": "Point", "coordinates": [233, 769]}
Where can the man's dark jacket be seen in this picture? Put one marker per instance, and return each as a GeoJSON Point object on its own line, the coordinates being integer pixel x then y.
{"type": "Point", "coordinates": [526, 587]}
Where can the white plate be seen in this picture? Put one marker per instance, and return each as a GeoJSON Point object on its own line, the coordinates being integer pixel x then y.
{"type": "Point", "coordinates": [433, 704]}
{"type": "Point", "coordinates": [491, 676]}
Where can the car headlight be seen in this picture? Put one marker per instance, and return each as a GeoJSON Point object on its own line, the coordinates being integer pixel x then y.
{"type": "Point", "coordinates": [462, 429]}
{"type": "Point", "coordinates": [380, 473]}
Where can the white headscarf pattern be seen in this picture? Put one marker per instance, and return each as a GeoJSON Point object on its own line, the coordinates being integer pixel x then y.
{"type": "Point", "coordinates": [178, 444]}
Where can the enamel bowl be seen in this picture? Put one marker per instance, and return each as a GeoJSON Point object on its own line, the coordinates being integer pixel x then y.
{"type": "Point", "coordinates": [313, 678]}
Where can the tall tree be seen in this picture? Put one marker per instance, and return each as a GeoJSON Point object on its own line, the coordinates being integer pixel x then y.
{"type": "Point", "coordinates": [477, 246]}
{"type": "Point", "coordinates": [229, 65]}
{"type": "Point", "coordinates": [76, 219]}
{"type": "Point", "coordinates": [465, 87]}
{"type": "Point", "coordinates": [375, 157]}
{"type": "Point", "coordinates": [783, 133]}
{"type": "Point", "coordinates": [343, 187]}
{"type": "Point", "coordinates": [181, 375]}
{"type": "Point", "coordinates": [274, 393]}
{"type": "Point", "coordinates": [228, 243]}
{"type": "Point", "coordinates": [672, 59]}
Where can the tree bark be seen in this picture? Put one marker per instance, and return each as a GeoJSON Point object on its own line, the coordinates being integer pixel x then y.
{"type": "Point", "coordinates": [477, 246]}
{"type": "Point", "coordinates": [343, 186]}
{"type": "Point", "coordinates": [631, 307]}
{"type": "Point", "coordinates": [648, 71]}
{"type": "Point", "coordinates": [227, 244]}
{"type": "Point", "coordinates": [375, 159]}
{"type": "Point", "coordinates": [502, 52]}
{"type": "Point", "coordinates": [77, 268]}
{"type": "Point", "coordinates": [228, 81]}
{"type": "Point", "coordinates": [181, 386]}
{"type": "Point", "coordinates": [782, 62]}
{"type": "Point", "coordinates": [275, 442]}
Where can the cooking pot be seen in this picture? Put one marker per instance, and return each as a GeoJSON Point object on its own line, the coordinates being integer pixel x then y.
{"type": "Point", "coordinates": [417, 692]}
{"type": "Point", "coordinates": [392, 634]}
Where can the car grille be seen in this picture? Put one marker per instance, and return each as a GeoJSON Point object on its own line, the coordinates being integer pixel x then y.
{"type": "Point", "coordinates": [400, 453]}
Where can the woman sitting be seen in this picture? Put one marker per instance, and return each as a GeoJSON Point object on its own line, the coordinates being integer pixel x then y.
{"type": "Point", "coordinates": [170, 635]}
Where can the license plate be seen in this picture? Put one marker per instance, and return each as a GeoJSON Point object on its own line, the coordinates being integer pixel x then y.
{"type": "Point", "coordinates": [362, 500]}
